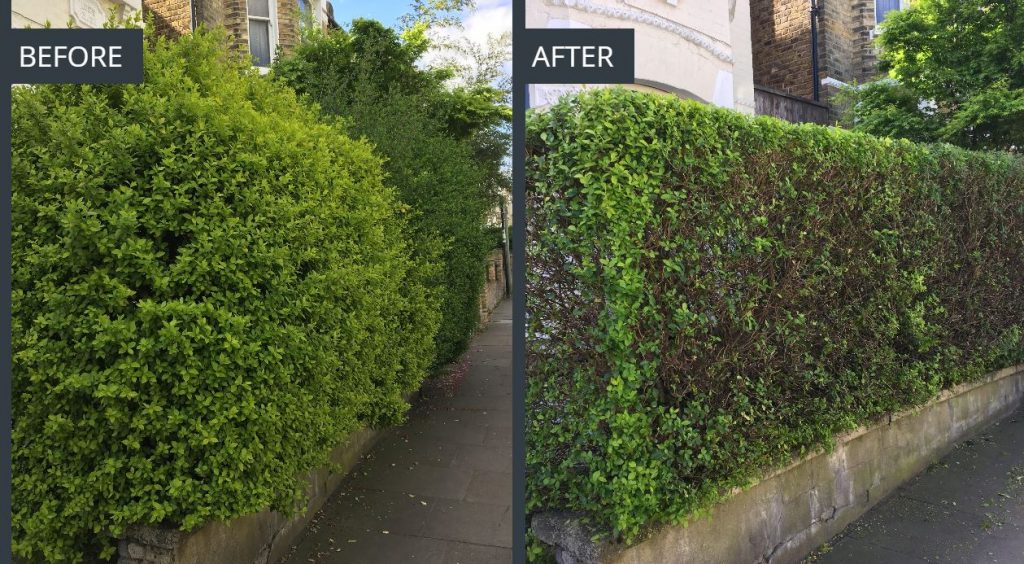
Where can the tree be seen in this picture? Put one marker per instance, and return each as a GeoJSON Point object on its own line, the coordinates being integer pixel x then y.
{"type": "Point", "coordinates": [432, 13]}
{"type": "Point", "coordinates": [482, 96]}
{"type": "Point", "coordinates": [957, 75]}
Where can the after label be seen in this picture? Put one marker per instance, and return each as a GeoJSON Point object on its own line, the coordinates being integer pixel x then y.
{"type": "Point", "coordinates": [570, 56]}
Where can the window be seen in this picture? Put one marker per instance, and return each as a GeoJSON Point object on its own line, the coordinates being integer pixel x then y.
{"type": "Point", "coordinates": [306, 15]}
{"type": "Point", "coordinates": [883, 7]}
{"type": "Point", "coordinates": [261, 32]}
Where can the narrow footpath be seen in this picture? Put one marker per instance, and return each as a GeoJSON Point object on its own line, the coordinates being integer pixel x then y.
{"type": "Point", "coordinates": [438, 489]}
{"type": "Point", "coordinates": [967, 508]}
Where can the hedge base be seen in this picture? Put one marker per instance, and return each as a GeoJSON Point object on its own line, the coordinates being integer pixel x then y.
{"type": "Point", "coordinates": [260, 538]}
{"type": "Point", "coordinates": [794, 510]}
{"type": "Point", "coordinates": [263, 538]}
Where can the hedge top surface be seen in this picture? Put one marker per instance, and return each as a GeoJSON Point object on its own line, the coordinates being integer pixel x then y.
{"type": "Point", "coordinates": [211, 289]}
{"type": "Point", "coordinates": [710, 295]}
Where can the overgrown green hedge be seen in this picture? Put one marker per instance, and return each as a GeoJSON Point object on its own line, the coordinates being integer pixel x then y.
{"type": "Point", "coordinates": [211, 289]}
{"type": "Point", "coordinates": [447, 195]}
{"type": "Point", "coordinates": [368, 78]}
{"type": "Point", "coordinates": [711, 295]}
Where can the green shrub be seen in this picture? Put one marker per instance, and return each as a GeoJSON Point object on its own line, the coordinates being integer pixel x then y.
{"type": "Point", "coordinates": [368, 77]}
{"type": "Point", "coordinates": [710, 295]}
{"type": "Point", "coordinates": [437, 178]}
{"type": "Point", "coordinates": [211, 289]}
{"type": "Point", "coordinates": [494, 235]}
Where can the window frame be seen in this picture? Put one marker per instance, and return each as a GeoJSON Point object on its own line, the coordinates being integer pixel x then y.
{"type": "Point", "coordinates": [272, 39]}
{"type": "Point", "coordinates": [313, 9]}
{"type": "Point", "coordinates": [903, 5]}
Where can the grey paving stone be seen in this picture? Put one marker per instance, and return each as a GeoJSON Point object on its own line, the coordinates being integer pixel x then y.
{"type": "Point", "coordinates": [856, 551]}
{"type": "Point", "coordinates": [423, 479]}
{"type": "Point", "coordinates": [479, 457]}
{"type": "Point", "coordinates": [377, 548]}
{"type": "Point", "coordinates": [398, 450]}
{"type": "Point", "coordinates": [478, 401]}
{"type": "Point", "coordinates": [490, 487]}
{"type": "Point", "coordinates": [499, 437]}
{"type": "Point", "coordinates": [451, 417]}
{"type": "Point", "coordinates": [476, 523]}
{"type": "Point", "coordinates": [441, 430]}
{"type": "Point", "coordinates": [356, 511]}
{"type": "Point", "coordinates": [464, 553]}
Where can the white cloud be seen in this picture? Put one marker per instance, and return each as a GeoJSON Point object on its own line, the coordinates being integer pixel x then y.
{"type": "Point", "coordinates": [490, 18]}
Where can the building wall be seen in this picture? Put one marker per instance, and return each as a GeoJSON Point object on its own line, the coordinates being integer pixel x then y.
{"type": "Point", "coordinates": [781, 42]}
{"type": "Point", "coordinates": [174, 17]}
{"type": "Point", "coordinates": [493, 291]}
{"type": "Point", "coordinates": [171, 18]}
{"type": "Point", "coordinates": [698, 50]}
{"type": "Point", "coordinates": [781, 32]}
{"type": "Point", "coordinates": [865, 56]}
{"type": "Point", "coordinates": [74, 13]}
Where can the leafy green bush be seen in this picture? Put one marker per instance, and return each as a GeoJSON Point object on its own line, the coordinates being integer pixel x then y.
{"type": "Point", "coordinates": [436, 177]}
{"type": "Point", "coordinates": [211, 289]}
{"type": "Point", "coordinates": [368, 77]}
{"type": "Point", "coordinates": [710, 295]}
{"type": "Point", "coordinates": [494, 234]}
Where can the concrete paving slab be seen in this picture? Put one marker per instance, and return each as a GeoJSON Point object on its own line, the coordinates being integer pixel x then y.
{"type": "Point", "coordinates": [435, 481]}
{"type": "Point", "coordinates": [856, 550]}
{"type": "Point", "coordinates": [499, 438]}
{"type": "Point", "coordinates": [357, 511]}
{"type": "Point", "coordinates": [398, 450]}
{"type": "Point", "coordinates": [437, 489]}
{"type": "Point", "coordinates": [489, 487]}
{"type": "Point", "coordinates": [482, 458]}
{"type": "Point", "coordinates": [470, 522]}
{"type": "Point", "coordinates": [380, 549]}
{"type": "Point", "coordinates": [465, 553]}
{"type": "Point", "coordinates": [467, 434]}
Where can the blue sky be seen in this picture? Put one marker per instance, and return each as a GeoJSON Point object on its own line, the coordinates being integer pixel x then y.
{"type": "Point", "coordinates": [388, 11]}
{"type": "Point", "coordinates": [489, 18]}
{"type": "Point", "coordinates": [384, 11]}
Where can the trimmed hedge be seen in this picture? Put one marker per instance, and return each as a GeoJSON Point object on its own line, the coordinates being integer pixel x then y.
{"type": "Point", "coordinates": [711, 295]}
{"type": "Point", "coordinates": [211, 289]}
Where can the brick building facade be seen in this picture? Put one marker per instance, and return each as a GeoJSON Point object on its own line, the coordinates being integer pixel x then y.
{"type": "Point", "coordinates": [781, 43]}
{"type": "Point", "coordinates": [262, 27]}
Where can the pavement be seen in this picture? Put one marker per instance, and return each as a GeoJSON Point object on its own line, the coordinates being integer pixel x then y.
{"type": "Point", "coordinates": [966, 508]}
{"type": "Point", "coordinates": [437, 489]}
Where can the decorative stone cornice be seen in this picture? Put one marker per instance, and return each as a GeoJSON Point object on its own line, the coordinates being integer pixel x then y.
{"type": "Point", "coordinates": [716, 48]}
{"type": "Point", "coordinates": [92, 14]}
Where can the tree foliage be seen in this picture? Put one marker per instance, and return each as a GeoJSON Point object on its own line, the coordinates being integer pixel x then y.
{"type": "Point", "coordinates": [428, 14]}
{"type": "Point", "coordinates": [958, 75]}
